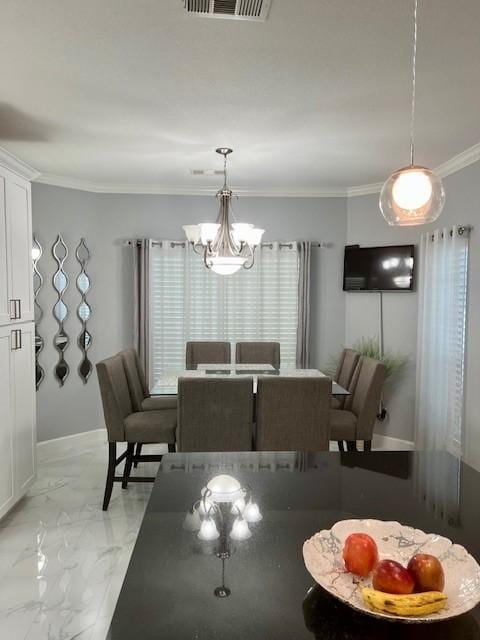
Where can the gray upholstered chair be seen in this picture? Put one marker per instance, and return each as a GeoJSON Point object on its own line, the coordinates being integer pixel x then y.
{"type": "Point", "coordinates": [139, 392]}
{"type": "Point", "coordinates": [344, 374]}
{"type": "Point", "coordinates": [292, 414]}
{"type": "Point", "coordinates": [126, 425]}
{"type": "Point", "coordinates": [207, 352]}
{"type": "Point", "coordinates": [258, 353]}
{"type": "Point", "coordinates": [357, 420]}
{"type": "Point", "coordinates": [215, 414]}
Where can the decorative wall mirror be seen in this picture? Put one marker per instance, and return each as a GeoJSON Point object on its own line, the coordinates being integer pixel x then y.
{"type": "Point", "coordinates": [60, 309]}
{"type": "Point", "coordinates": [38, 311]}
{"type": "Point", "coordinates": [84, 310]}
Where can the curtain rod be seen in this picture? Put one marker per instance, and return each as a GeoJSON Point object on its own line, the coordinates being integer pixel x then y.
{"type": "Point", "coordinates": [174, 243]}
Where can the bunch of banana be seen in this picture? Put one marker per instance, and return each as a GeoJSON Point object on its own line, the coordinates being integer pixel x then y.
{"type": "Point", "coordinates": [416, 604]}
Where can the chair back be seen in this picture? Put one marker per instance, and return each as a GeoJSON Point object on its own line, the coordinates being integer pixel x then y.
{"type": "Point", "coordinates": [345, 370]}
{"type": "Point", "coordinates": [207, 352]}
{"type": "Point", "coordinates": [293, 414]}
{"type": "Point", "coordinates": [115, 393]}
{"type": "Point", "coordinates": [135, 377]}
{"type": "Point", "coordinates": [367, 385]}
{"type": "Point", "coordinates": [215, 414]}
{"type": "Point", "coordinates": [258, 353]}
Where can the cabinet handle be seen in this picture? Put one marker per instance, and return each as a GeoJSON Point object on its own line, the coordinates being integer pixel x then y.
{"type": "Point", "coordinates": [16, 340]}
{"type": "Point", "coordinates": [15, 309]}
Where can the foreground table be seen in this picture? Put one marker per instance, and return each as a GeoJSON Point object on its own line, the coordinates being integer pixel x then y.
{"type": "Point", "coordinates": [169, 590]}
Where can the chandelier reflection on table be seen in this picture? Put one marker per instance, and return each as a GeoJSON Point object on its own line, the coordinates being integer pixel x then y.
{"type": "Point", "coordinates": [222, 501]}
{"type": "Point", "coordinates": [225, 247]}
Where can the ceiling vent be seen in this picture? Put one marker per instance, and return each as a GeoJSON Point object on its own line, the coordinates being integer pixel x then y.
{"type": "Point", "coordinates": [232, 9]}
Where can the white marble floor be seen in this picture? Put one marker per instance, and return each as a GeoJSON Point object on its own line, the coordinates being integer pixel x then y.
{"type": "Point", "coordinates": [62, 559]}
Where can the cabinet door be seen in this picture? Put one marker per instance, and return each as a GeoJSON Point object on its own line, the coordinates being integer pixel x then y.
{"type": "Point", "coordinates": [7, 479]}
{"type": "Point", "coordinates": [4, 306]}
{"type": "Point", "coordinates": [19, 243]}
{"type": "Point", "coordinates": [25, 435]}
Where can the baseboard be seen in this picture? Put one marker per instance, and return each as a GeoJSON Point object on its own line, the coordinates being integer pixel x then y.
{"type": "Point", "coordinates": [388, 443]}
{"type": "Point", "coordinates": [72, 445]}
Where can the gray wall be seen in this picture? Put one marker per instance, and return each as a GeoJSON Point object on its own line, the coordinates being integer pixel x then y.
{"type": "Point", "coordinates": [105, 220]}
{"type": "Point", "coordinates": [366, 226]}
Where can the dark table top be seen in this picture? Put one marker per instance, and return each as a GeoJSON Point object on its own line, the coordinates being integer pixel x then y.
{"type": "Point", "coordinates": [169, 588]}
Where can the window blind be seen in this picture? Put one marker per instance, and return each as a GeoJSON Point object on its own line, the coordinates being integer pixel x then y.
{"type": "Point", "coordinates": [189, 302]}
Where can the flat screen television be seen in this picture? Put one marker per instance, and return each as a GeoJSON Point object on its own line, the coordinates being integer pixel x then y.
{"type": "Point", "coordinates": [379, 268]}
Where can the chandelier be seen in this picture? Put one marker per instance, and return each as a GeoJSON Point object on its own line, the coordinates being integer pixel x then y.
{"type": "Point", "coordinates": [223, 514]}
{"type": "Point", "coordinates": [225, 247]}
{"type": "Point", "coordinates": [414, 194]}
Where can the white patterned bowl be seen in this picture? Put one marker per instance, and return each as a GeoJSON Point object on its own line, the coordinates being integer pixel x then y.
{"type": "Point", "coordinates": [323, 558]}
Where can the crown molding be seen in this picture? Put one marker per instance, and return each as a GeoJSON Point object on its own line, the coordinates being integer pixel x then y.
{"type": "Point", "coordinates": [364, 189]}
{"type": "Point", "coordinates": [105, 187]}
{"type": "Point", "coordinates": [22, 169]}
{"type": "Point", "coordinates": [8, 160]}
{"type": "Point", "coordinates": [460, 161]}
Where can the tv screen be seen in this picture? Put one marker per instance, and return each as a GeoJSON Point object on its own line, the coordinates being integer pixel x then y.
{"type": "Point", "coordinates": [379, 268]}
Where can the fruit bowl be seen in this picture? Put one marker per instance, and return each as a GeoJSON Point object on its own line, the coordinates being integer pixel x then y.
{"type": "Point", "coordinates": [322, 554]}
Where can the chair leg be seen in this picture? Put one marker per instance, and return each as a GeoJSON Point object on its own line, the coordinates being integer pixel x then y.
{"type": "Point", "coordinates": [341, 446]}
{"type": "Point", "coordinates": [112, 458]}
{"type": "Point", "coordinates": [367, 445]}
{"type": "Point", "coordinates": [351, 445]}
{"type": "Point", "coordinates": [137, 453]}
{"type": "Point", "coordinates": [171, 448]}
{"type": "Point", "coordinates": [128, 464]}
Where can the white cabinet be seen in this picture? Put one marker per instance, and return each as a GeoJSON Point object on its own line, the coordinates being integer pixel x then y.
{"type": "Point", "coordinates": [4, 285]}
{"type": "Point", "coordinates": [7, 495]}
{"type": "Point", "coordinates": [16, 281]}
{"type": "Point", "coordinates": [17, 407]}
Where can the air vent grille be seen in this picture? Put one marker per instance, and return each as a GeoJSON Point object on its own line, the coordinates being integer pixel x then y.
{"type": "Point", "coordinates": [232, 9]}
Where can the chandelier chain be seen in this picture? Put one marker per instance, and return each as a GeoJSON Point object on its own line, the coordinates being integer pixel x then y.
{"type": "Point", "coordinates": [414, 79]}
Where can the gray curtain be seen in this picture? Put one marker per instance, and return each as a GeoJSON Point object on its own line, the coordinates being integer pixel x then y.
{"type": "Point", "coordinates": [303, 326]}
{"type": "Point", "coordinates": [141, 302]}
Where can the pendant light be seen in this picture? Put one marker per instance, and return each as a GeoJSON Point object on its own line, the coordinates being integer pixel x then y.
{"type": "Point", "coordinates": [414, 194]}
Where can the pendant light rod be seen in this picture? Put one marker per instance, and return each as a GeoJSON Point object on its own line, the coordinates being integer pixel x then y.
{"type": "Point", "coordinates": [414, 80]}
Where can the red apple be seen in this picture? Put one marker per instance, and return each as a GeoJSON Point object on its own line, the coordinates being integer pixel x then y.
{"type": "Point", "coordinates": [427, 572]}
{"type": "Point", "coordinates": [390, 577]}
{"type": "Point", "coordinates": [360, 554]}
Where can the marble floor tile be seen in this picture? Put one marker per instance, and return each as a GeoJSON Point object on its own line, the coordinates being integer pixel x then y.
{"type": "Point", "coordinates": [62, 559]}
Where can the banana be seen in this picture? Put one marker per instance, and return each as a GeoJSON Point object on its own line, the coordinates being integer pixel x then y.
{"type": "Point", "coordinates": [416, 604]}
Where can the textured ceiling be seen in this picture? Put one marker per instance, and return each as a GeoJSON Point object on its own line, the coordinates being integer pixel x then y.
{"type": "Point", "coordinates": [317, 97]}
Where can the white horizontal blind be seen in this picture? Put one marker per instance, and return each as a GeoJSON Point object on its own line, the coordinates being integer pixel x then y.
{"type": "Point", "coordinates": [190, 302]}
{"type": "Point", "coordinates": [441, 340]}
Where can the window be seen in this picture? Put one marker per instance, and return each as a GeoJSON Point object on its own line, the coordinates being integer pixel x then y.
{"type": "Point", "coordinates": [189, 302]}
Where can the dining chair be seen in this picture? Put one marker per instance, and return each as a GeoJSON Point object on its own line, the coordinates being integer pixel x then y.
{"type": "Point", "coordinates": [344, 374]}
{"type": "Point", "coordinates": [124, 424]}
{"type": "Point", "coordinates": [207, 352]}
{"type": "Point", "coordinates": [139, 392]}
{"type": "Point", "coordinates": [357, 420]}
{"type": "Point", "coordinates": [258, 353]}
{"type": "Point", "coordinates": [215, 414]}
{"type": "Point", "coordinates": [292, 414]}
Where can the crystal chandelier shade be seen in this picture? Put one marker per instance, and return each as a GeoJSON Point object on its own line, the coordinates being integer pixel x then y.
{"type": "Point", "coordinates": [414, 194]}
{"type": "Point", "coordinates": [225, 247]}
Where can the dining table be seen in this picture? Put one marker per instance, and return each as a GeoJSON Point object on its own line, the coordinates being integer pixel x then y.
{"type": "Point", "coordinates": [182, 584]}
{"type": "Point", "coordinates": [167, 383]}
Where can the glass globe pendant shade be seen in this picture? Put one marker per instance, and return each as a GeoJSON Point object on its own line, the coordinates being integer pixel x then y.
{"type": "Point", "coordinates": [240, 529]}
{"type": "Point", "coordinates": [224, 488]}
{"type": "Point", "coordinates": [411, 196]}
